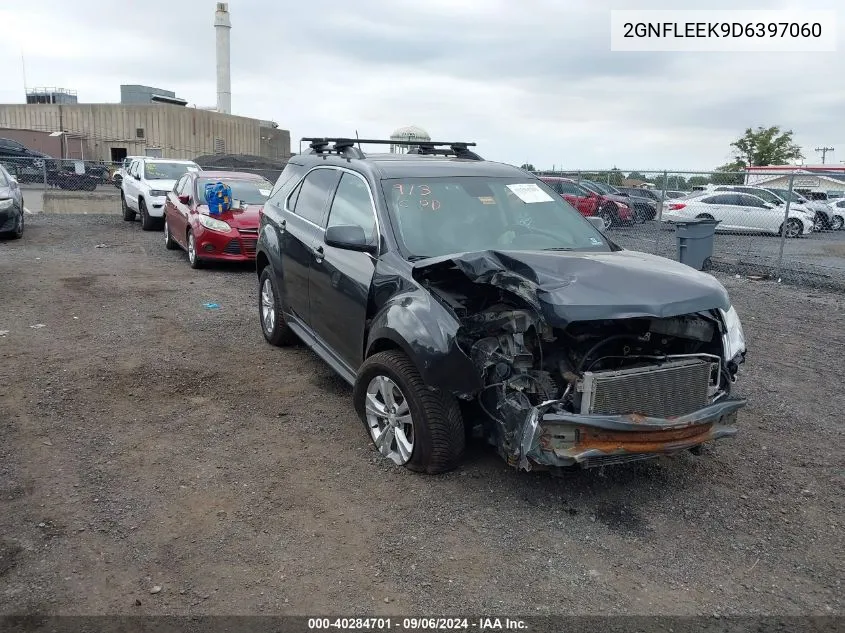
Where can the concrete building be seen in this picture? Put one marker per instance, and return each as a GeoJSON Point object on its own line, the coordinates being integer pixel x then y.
{"type": "Point", "coordinates": [110, 132]}
{"type": "Point", "coordinates": [822, 178]}
{"type": "Point", "coordinates": [407, 133]}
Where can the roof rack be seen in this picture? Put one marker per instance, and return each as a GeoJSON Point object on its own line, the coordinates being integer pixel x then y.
{"type": "Point", "coordinates": [347, 147]}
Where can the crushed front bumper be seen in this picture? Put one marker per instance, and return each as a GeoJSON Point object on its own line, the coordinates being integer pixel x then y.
{"type": "Point", "coordinates": [552, 437]}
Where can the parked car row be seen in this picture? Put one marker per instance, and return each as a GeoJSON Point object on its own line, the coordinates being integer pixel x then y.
{"type": "Point", "coordinates": [459, 296]}
{"type": "Point", "coordinates": [749, 209]}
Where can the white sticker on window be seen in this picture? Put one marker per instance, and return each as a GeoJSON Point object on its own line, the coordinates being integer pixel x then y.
{"type": "Point", "coordinates": [264, 192]}
{"type": "Point", "coordinates": [530, 193]}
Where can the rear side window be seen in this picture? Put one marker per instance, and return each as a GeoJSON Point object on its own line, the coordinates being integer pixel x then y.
{"type": "Point", "coordinates": [313, 195]}
{"type": "Point", "coordinates": [751, 201]}
{"type": "Point", "coordinates": [570, 188]}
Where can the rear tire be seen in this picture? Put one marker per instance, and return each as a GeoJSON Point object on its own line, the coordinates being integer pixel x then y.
{"type": "Point", "coordinates": [837, 223]}
{"type": "Point", "coordinates": [273, 325]}
{"type": "Point", "coordinates": [128, 214]}
{"type": "Point", "coordinates": [439, 438]}
{"type": "Point", "coordinates": [147, 223]}
{"type": "Point", "coordinates": [169, 243]}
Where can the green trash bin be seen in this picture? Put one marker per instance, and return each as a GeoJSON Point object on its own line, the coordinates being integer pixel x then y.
{"type": "Point", "coordinates": [695, 242]}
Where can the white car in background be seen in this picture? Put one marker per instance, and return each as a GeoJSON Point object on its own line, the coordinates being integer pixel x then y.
{"type": "Point", "coordinates": [120, 174]}
{"type": "Point", "coordinates": [144, 189]}
{"type": "Point", "coordinates": [823, 217]}
{"type": "Point", "coordinates": [837, 208]}
{"type": "Point", "coordinates": [739, 213]}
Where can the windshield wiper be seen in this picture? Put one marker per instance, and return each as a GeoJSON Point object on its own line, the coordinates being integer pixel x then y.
{"type": "Point", "coordinates": [559, 248]}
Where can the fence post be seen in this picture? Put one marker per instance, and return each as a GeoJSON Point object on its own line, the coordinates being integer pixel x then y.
{"type": "Point", "coordinates": [44, 172]}
{"type": "Point", "coordinates": [785, 220]}
{"type": "Point", "coordinates": [660, 212]}
{"type": "Point", "coordinates": [578, 176]}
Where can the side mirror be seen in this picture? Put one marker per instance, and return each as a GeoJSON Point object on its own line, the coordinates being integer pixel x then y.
{"type": "Point", "coordinates": [14, 179]}
{"type": "Point", "coordinates": [597, 223]}
{"type": "Point", "coordinates": [349, 237]}
{"type": "Point", "coordinates": [185, 199]}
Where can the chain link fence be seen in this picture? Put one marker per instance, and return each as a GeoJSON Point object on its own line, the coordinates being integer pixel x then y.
{"type": "Point", "coordinates": [785, 225]}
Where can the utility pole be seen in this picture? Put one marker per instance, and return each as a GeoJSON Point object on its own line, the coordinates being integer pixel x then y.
{"type": "Point", "coordinates": [823, 151]}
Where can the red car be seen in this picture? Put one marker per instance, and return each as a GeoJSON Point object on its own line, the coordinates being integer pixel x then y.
{"type": "Point", "coordinates": [589, 202]}
{"type": "Point", "coordinates": [228, 236]}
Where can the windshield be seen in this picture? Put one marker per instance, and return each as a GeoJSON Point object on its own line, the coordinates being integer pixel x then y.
{"type": "Point", "coordinates": [246, 191]}
{"type": "Point", "coordinates": [441, 216]}
{"type": "Point", "coordinates": [787, 195]}
{"type": "Point", "coordinates": [766, 195]}
{"type": "Point", "coordinates": [167, 171]}
{"type": "Point", "coordinates": [603, 188]}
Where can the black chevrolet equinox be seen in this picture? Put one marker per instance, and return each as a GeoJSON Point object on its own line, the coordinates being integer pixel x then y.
{"type": "Point", "coordinates": [460, 296]}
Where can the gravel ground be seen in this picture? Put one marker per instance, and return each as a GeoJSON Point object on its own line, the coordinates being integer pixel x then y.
{"type": "Point", "coordinates": [146, 441]}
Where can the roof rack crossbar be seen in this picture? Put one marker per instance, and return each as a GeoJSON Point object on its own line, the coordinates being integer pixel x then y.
{"type": "Point", "coordinates": [347, 147]}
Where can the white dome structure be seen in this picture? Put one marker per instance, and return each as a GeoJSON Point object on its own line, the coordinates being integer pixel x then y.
{"type": "Point", "coordinates": [407, 133]}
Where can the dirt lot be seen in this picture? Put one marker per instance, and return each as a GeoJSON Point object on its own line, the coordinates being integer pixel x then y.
{"type": "Point", "coordinates": [146, 440]}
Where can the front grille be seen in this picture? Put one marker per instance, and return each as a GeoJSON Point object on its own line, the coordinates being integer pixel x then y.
{"type": "Point", "coordinates": [669, 390]}
{"type": "Point", "coordinates": [233, 248]}
{"type": "Point", "coordinates": [248, 244]}
{"type": "Point", "coordinates": [611, 460]}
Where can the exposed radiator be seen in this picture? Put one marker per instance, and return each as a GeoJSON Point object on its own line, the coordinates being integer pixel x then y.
{"type": "Point", "coordinates": [671, 389]}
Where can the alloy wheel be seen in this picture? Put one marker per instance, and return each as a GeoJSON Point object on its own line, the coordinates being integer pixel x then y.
{"type": "Point", "coordinates": [389, 420]}
{"type": "Point", "coordinates": [166, 234]}
{"type": "Point", "coordinates": [192, 249]}
{"type": "Point", "coordinates": [268, 307]}
{"type": "Point", "coordinates": [837, 223]}
{"type": "Point", "coordinates": [793, 228]}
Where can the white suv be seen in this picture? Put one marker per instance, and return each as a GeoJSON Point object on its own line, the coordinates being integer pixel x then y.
{"type": "Point", "coordinates": [144, 189]}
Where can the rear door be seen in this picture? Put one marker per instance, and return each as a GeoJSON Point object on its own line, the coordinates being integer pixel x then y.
{"type": "Point", "coordinates": [579, 198]}
{"type": "Point", "coordinates": [758, 215]}
{"type": "Point", "coordinates": [340, 279]}
{"type": "Point", "coordinates": [304, 221]}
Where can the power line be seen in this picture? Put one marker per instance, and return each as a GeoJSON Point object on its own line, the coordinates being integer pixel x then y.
{"type": "Point", "coordinates": [823, 151]}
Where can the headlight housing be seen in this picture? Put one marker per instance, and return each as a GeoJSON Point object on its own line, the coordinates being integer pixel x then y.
{"type": "Point", "coordinates": [214, 224]}
{"type": "Point", "coordinates": [733, 339]}
{"type": "Point", "coordinates": [157, 193]}
{"type": "Point", "coordinates": [5, 204]}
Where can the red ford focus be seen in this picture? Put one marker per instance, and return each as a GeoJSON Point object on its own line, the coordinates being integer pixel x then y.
{"type": "Point", "coordinates": [228, 236]}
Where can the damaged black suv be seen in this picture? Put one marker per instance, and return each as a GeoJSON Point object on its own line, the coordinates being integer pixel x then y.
{"type": "Point", "coordinates": [451, 291]}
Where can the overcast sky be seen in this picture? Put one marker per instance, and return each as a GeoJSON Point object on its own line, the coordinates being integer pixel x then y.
{"type": "Point", "coordinates": [528, 80]}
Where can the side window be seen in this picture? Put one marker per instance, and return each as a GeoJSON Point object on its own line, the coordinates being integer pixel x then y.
{"type": "Point", "coordinates": [180, 184]}
{"type": "Point", "coordinates": [570, 188]}
{"type": "Point", "coordinates": [314, 194]}
{"type": "Point", "coordinates": [751, 201]}
{"type": "Point", "coordinates": [3, 181]}
{"type": "Point", "coordinates": [352, 205]}
{"type": "Point", "coordinates": [724, 198]}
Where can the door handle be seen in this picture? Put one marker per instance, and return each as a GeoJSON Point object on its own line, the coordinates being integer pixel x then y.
{"type": "Point", "coordinates": [319, 253]}
{"type": "Point", "coordinates": [282, 224]}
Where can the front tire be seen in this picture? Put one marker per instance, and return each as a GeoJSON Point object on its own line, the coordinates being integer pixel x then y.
{"type": "Point", "coordinates": [147, 223]}
{"type": "Point", "coordinates": [409, 423]}
{"type": "Point", "coordinates": [273, 325]}
{"type": "Point", "coordinates": [606, 216]}
{"type": "Point", "coordinates": [837, 223]}
{"type": "Point", "coordinates": [193, 256]}
{"type": "Point", "coordinates": [794, 228]}
{"type": "Point", "coordinates": [17, 233]}
{"type": "Point", "coordinates": [128, 214]}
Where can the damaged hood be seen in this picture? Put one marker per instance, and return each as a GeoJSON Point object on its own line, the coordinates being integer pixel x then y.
{"type": "Point", "coordinates": [586, 286]}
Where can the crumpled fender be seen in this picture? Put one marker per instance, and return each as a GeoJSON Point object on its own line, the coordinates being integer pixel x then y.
{"type": "Point", "coordinates": [426, 331]}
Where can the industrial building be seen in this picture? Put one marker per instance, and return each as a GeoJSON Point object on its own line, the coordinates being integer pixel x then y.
{"type": "Point", "coordinates": [148, 121]}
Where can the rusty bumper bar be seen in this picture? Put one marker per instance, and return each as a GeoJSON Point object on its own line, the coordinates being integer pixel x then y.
{"type": "Point", "coordinates": [558, 438]}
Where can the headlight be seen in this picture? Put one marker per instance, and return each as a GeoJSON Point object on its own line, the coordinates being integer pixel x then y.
{"type": "Point", "coordinates": [5, 204]}
{"type": "Point", "coordinates": [214, 225]}
{"type": "Point", "coordinates": [734, 339]}
{"type": "Point", "coordinates": [157, 193]}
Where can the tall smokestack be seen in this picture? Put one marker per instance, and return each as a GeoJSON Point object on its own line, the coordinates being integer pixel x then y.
{"type": "Point", "coordinates": [222, 28]}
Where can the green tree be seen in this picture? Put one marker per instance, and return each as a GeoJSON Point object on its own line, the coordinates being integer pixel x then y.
{"type": "Point", "coordinates": [764, 146]}
{"type": "Point", "coordinates": [528, 167]}
{"type": "Point", "coordinates": [697, 181]}
{"type": "Point", "coordinates": [729, 174]}
{"type": "Point", "coordinates": [635, 175]}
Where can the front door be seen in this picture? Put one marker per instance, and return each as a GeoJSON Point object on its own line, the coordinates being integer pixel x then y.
{"type": "Point", "coordinates": [304, 219]}
{"type": "Point", "coordinates": [339, 284]}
